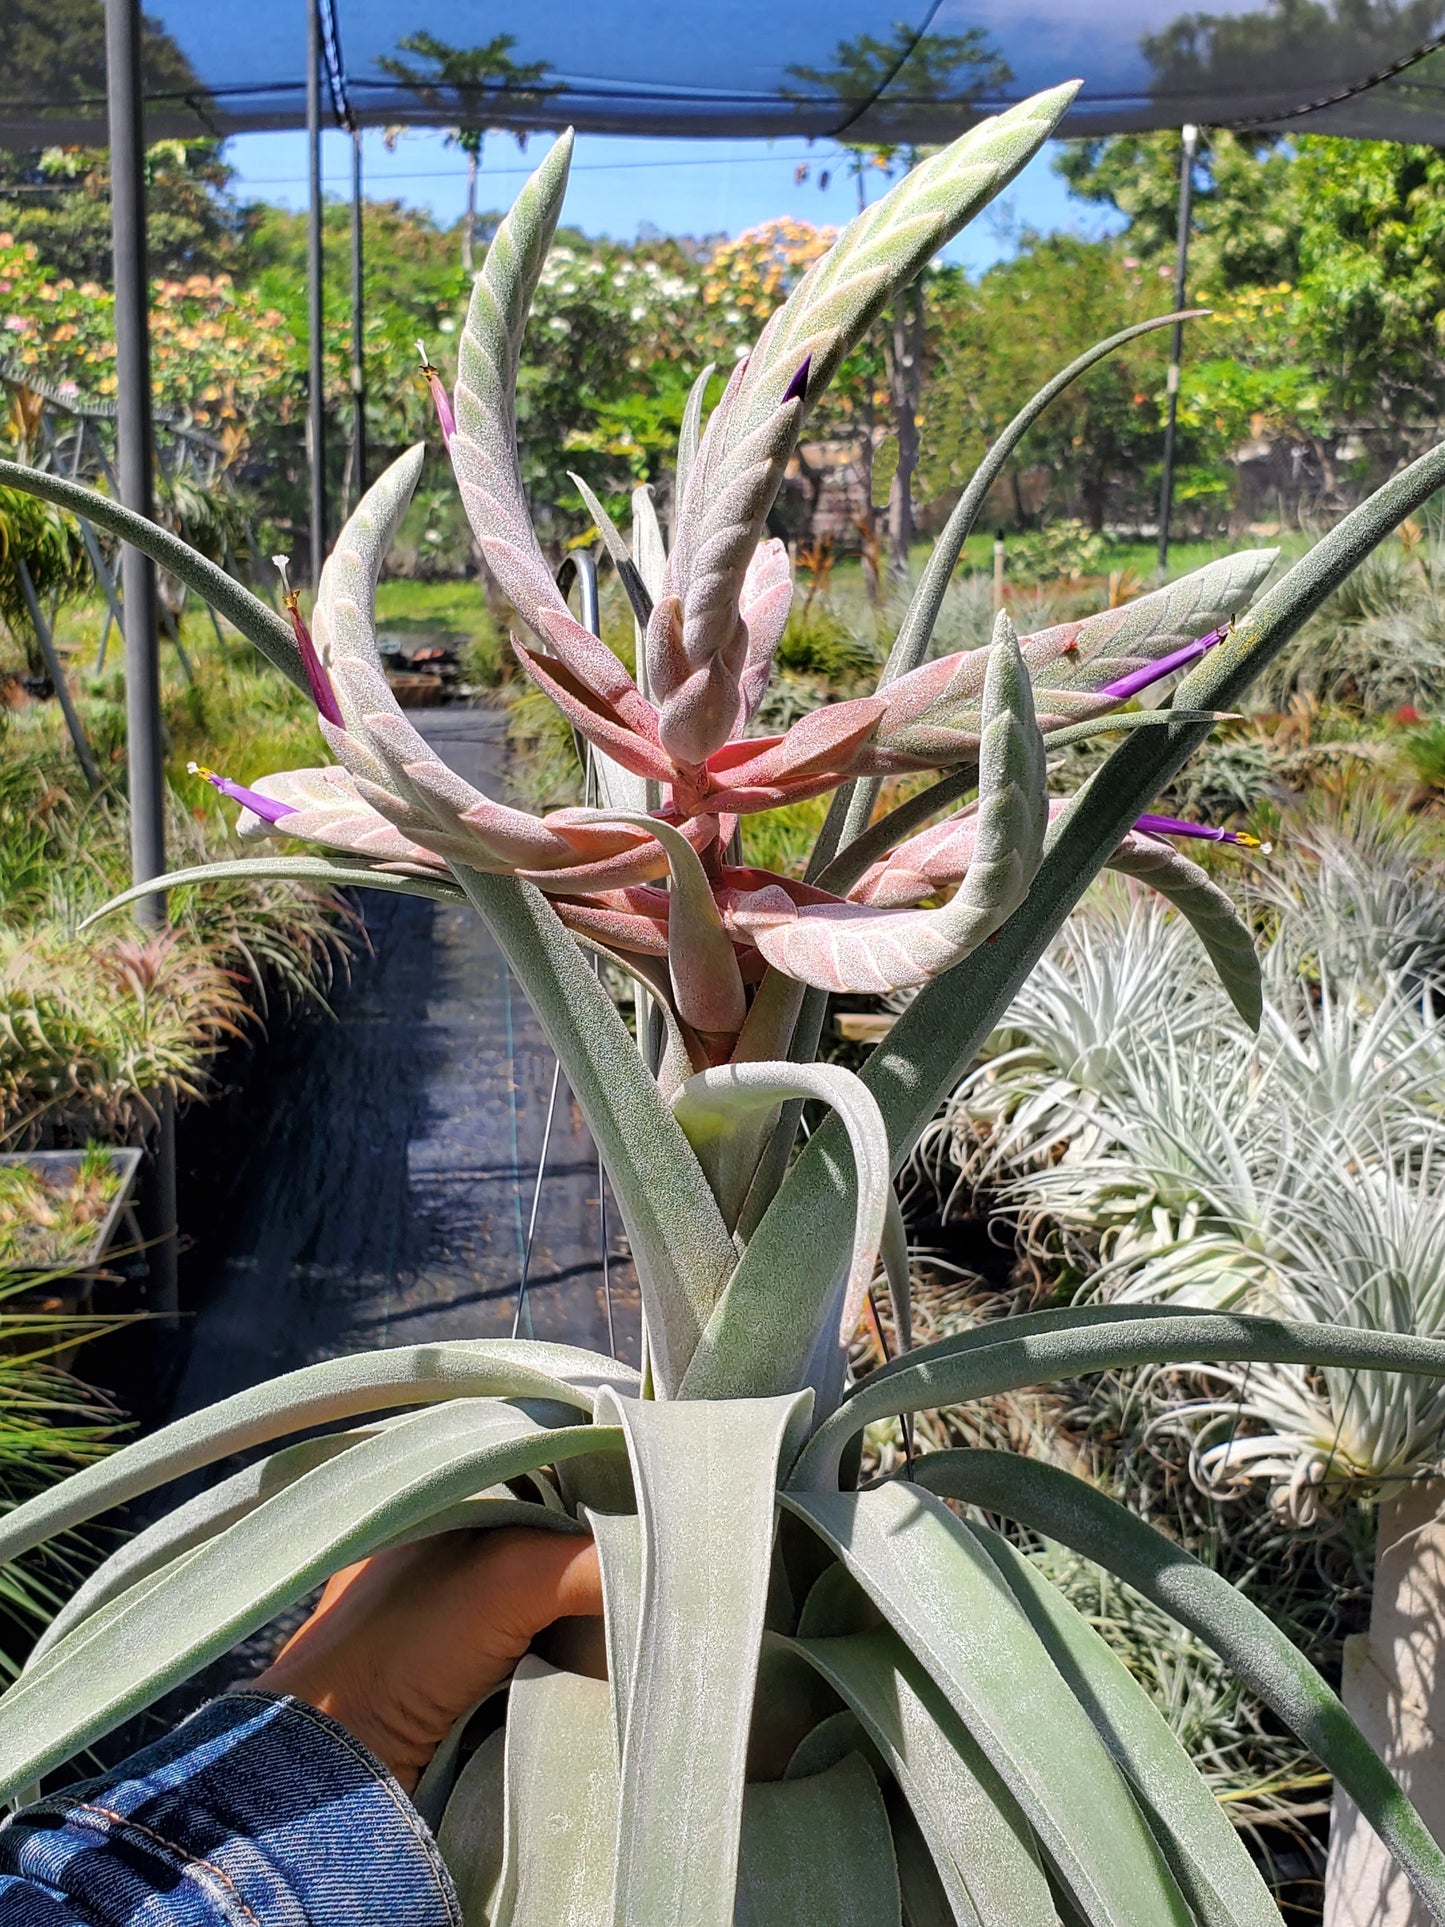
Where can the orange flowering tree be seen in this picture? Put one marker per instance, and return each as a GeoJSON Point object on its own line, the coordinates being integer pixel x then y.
{"type": "Point", "coordinates": [219, 354]}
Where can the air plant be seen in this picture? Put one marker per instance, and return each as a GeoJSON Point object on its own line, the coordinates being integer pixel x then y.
{"type": "Point", "coordinates": [980, 1711]}
{"type": "Point", "coordinates": [1295, 1172]}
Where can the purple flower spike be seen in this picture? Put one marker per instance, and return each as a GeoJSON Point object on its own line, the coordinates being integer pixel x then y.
{"type": "Point", "coordinates": [1153, 672]}
{"type": "Point", "coordinates": [322, 693]}
{"type": "Point", "coordinates": [265, 807]}
{"type": "Point", "coordinates": [440, 398]}
{"type": "Point", "coordinates": [1176, 826]}
{"type": "Point", "coordinates": [797, 388]}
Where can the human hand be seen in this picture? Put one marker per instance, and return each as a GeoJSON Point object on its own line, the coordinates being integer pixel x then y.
{"type": "Point", "coordinates": [403, 1643]}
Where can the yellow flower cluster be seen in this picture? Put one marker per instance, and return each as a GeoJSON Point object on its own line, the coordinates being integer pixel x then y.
{"type": "Point", "coordinates": [755, 272]}
{"type": "Point", "coordinates": [219, 354]}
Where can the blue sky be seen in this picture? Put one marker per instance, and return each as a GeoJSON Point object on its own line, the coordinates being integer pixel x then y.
{"type": "Point", "coordinates": [620, 183]}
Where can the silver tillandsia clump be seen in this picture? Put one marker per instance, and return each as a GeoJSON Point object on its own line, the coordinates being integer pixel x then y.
{"type": "Point", "coordinates": [824, 1704]}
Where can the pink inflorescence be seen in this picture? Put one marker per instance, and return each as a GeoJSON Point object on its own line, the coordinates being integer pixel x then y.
{"type": "Point", "coordinates": [439, 395]}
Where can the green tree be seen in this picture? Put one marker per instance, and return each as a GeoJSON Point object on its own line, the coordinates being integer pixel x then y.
{"type": "Point", "coordinates": [463, 81]}
{"type": "Point", "coordinates": [58, 198]}
{"type": "Point", "coordinates": [1308, 46]}
{"type": "Point", "coordinates": [1353, 230]}
{"type": "Point", "coordinates": [1246, 205]}
{"type": "Point", "coordinates": [1372, 271]}
{"type": "Point", "coordinates": [1002, 338]}
{"type": "Point", "coordinates": [55, 55]}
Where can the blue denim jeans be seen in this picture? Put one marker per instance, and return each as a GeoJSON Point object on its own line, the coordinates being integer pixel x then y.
{"type": "Point", "coordinates": [257, 1811]}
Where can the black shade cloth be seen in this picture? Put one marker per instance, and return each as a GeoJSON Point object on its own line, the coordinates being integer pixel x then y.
{"type": "Point", "coordinates": [876, 70]}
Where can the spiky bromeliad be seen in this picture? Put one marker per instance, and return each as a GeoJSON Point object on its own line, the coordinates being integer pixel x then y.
{"type": "Point", "coordinates": [938, 1736]}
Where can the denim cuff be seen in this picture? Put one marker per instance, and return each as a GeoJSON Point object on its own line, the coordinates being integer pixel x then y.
{"type": "Point", "coordinates": [258, 1811]}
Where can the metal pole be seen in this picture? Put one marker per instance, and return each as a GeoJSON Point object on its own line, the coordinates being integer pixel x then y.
{"type": "Point", "coordinates": [56, 673]}
{"type": "Point", "coordinates": [358, 319]}
{"type": "Point", "coordinates": [144, 738]}
{"type": "Point", "coordinates": [1176, 339]}
{"type": "Point", "coordinates": [315, 319]}
{"type": "Point", "coordinates": [145, 741]}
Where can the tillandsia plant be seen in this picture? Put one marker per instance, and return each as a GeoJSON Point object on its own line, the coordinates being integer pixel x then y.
{"type": "Point", "coordinates": [823, 1703]}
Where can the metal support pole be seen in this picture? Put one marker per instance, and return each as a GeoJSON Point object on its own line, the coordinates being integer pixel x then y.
{"type": "Point", "coordinates": [144, 737]}
{"type": "Point", "coordinates": [145, 741]}
{"type": "Point", "coordinates": [1176, 339]}
{"type": "Point", "coordinates": [358, 322]}
{"type": "Point", "coordinates": [315, 318]}
{"type": "Point", "coordinates": [56, 673]}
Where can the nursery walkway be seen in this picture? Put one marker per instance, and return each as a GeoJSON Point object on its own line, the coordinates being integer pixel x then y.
{"type": "Point", "coordinates": [384, 1195]}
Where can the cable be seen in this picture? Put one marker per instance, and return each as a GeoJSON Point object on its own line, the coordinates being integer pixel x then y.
{"type": "Point", "coordinates": [1345, 93]}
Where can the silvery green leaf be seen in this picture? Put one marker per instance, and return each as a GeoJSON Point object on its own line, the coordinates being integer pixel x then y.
{"type": "Point", "coordinates": [691, 432]}
{"type": "Point", "coordinates": [1215, 921]}
{"type": "Point", "coordinates": [884, 248]}
{"type": "Point", "coordinates": [817, 1850]}
{"type": "Point", "coordinates": [337, 1388]}
{"type": "Point", "coordinates": [898, 1271]}
{"type": "Point", "coordinates": [705, 1475]}
{"type": "Point", "coordinates": [560, 1776]}
{"type": "Point", "coordinates": [340, 872]}
{"type": "Point", "coordinates": [680, 1245]}
{"type": "Point", "coordinates": [1040, 1348]}
{"type": "Point", "coordinates": [618, 1536]}
{"type": "Point", "coordinates": [981, 1844]}
{"type": "Point", "coordinates": [831, 1740]}
{"type": "Point", "coordinates": [161, 1575]}
{"type": "Point", "coordinates": [137, 1648]}
{"type": "Point", "coordinates": [256, 620]}
{"type": "Point", "coordinates": [441, 1777]}
{"type": "Point", "coordinates": [189, 1525]}
{"type": "Point", "coordinates": [715, 1107]}
{"type": "Point", "coordinates": [925, 1904]}
{"type": "Point", "coordinates": [1202, 1846]}
{"type": "Point", "coordinates": [942, 1594]}
{"type": "Point", "coordinates": [471, 1834]}
{"type": "Point", "coordinates": [1065, 1508]}
{"type": "Point", "coordinates": [768, 1330]}
{"type": "Point", "coordinates": [791, 1699]}
{"type": "Point", "coordinates": [1121, 721]}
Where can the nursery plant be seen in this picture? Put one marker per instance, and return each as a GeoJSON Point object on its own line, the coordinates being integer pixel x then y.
{"type": "Point", "coordinates": [823, 1703]}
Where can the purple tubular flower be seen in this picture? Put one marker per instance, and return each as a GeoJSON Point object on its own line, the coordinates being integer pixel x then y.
{"type": "Point", "coordinates": [1176, 826]}
{"type": "Point", "coordinates": [798, 387]}
{"type": "Point", "coordinates": [1153, 672]}
{"type": "Point", "coordinates": [265, 807]}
